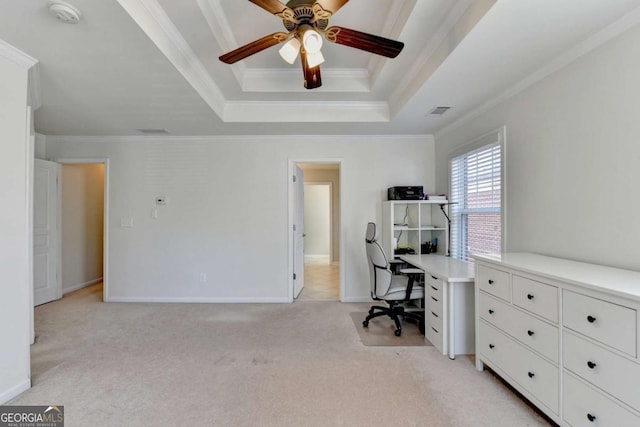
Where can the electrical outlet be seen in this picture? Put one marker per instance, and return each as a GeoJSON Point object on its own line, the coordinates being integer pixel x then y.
{"type": "Point", "coordinates": [203, 277]}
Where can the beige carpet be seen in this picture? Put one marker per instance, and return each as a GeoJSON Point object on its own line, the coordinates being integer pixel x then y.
{"type": "Point", "coordinates": [381, 332]}
{"type": "Point", "coordinates": [299, 364]}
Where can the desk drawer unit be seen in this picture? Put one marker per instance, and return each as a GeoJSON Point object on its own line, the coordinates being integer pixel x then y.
{"type": "Point", "coordinates": [433, 331]}
{"type": "Point", "coordinates": [537, 334]}
{"type": "Point", "coordinates": [610, 372]}
{"type": "Point", "coordinates": [536, 297]}
{"type": "Point", "coordinates": [584, 406]}
{"type": "Point", "coordinates": [534, 374]}
{"type": "Point", "coordinates": [494, 282]}
{"type": "Point", "coordinates": [433, 286]}
{"type": "Point", "coordinates": [611, 324]}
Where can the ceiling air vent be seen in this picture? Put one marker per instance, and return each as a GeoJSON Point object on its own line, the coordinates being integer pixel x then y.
{"type": "Point", "coordinates": [154, 131]}
{"type": "Point", "coordinates": [438, 111]}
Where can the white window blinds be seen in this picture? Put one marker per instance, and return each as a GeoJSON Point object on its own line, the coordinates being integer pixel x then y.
{"type": "Point", "coordinates": [476, 189]}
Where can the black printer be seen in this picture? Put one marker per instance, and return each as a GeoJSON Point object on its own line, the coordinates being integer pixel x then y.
{"type": "Point", "coordinates": [405, 193]}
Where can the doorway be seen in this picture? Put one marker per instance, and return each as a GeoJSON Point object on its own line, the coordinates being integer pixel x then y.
{"type": "Point", "coordinates": [316, 252]}
{"type": "Point", "coordinates": [84, 207]}
{"type": "Point", "coordinates": [82, 235]}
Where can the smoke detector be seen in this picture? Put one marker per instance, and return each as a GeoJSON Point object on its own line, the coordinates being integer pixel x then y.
{"type": "Point", "coordinates": [64, 12]}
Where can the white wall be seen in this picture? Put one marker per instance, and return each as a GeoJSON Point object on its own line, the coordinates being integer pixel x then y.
{"type": "Point", "coordinates": [82, 216]}
{"type": "Point", "coordinates": [14, 221]}
{"type": "Point", "coordinates": [332, 176]}
{"type": "Point", "coordinates": [317, 219]}
{"type": "Point", "coordinates": [227, 209]}
{"type": "Point", "coordinates": [572, 158]}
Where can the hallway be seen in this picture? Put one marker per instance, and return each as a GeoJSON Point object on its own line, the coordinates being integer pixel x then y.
{"type": "Point", "coordinates": [321, 280]}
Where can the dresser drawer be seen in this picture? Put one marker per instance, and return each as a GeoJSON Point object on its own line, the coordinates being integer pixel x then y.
{"type": "Point", "coordinates": [536, 297]}
{"type": "Point", "coordinates": [584, 406]}
{"type": "Point", "coordinates": [495, 282]}
{"type": "Point", "coordinates": [611, 324]}
{"type": "Point", "coordinates": [531, 372]}
{"type": "Point", "coordinates": [533, 332]}
{"type": "Point", "coordinates": [612, 373]}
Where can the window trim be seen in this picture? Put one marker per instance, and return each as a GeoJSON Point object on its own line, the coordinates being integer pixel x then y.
{"type": "Point", "coordinates": [500, 135]}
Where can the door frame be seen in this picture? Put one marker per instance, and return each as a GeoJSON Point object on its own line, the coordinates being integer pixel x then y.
{"type": "Point", "coordinates": [292, 163]}
{"type": "Point", "coordinates": [105, 215]}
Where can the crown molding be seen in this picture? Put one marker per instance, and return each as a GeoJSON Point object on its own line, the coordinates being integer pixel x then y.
{"type": "Point", "coordinates": [289, 80]}
{"type": "Point", "coordinates": [460, 20]}
{"type": "Point", "coordinates": [16, 56]}
{"type": "Point", "coordinates": [208, 139]}
{"type": "Point", "coordinates": [305, 112]}
{"type": "Point", "coordinates": [35, 97]}
{"type": "Point", "coordinates": [396, 21]}
{"type": "Point", "coordinates": [222, 33]}
{"type": "Point", "coordinates": [153, 20]}
{"type": "Point", "coordinates": [563, 60]}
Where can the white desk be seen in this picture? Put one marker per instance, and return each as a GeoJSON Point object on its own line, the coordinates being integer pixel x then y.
{"type": "Point", "coordinates": [449, 302]}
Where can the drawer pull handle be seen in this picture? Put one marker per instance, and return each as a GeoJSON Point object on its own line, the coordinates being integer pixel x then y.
{"type": "Point", "coordinates": [434, 288]}
{"type": "Point", "coordinates": [591, 418]}
{"type": "Point", "coordinates": [434, 329]}
{"type": "Point", "coordinates": [490, 282]}
{"type": "Point", "coordinates": [531, 374]}
{"type": "Point", "coordinates": [434, 299]}
{"type": "Point", "coordinates": [491, 346]}
{"type": "Point", "coordinates": [591, 319]}
{"type": "Point", "coordinates": [530, 332]}
{"type": "Point", "coordinates": [434, 277]}
{"type": "Point", "coordinates": [434, 314]}
{"type": "Point", "coordinates": [491, 311]}
{"type": "Point", "coordinates": [591, 365]}
{"type": "Point", "coordinates": [530, 296]}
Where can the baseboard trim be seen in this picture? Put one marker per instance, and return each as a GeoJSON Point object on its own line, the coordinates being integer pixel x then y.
{"type": "Point", "coordinates": [196, 300]}
{"type": "Point", "coordinates": [357, 299]}
{"type": "Point", "coordinates": [316, 256]}
{"type": "Point", "coordinates": [14, 391]}
{"type": "Point", "coordinates": [80, 286]}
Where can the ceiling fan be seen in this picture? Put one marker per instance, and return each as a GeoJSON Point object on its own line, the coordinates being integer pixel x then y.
{"type": "Point", "coordinates": [306, 22]}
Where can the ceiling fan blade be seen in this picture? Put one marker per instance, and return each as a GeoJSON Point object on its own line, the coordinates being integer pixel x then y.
{"type": "Point", "coordinates": [312, 78]}
{"type": "Point", "coordinates": [254, 47]}
{"type": "Point", "coordinates": [277, 8]}
{"type": "Point", "coordinates": [363, 41]}
{"type": "Point", "coordinates": [331, 5]}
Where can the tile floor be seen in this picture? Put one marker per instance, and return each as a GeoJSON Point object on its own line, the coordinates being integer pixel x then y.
{"type": "Point", "coordinates": [321, 280]}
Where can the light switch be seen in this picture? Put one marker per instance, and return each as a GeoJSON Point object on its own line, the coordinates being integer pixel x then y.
{"type": "Point", "coordinates": [154, 213]}
{"type": "Point", "coordinates": [126, 222]}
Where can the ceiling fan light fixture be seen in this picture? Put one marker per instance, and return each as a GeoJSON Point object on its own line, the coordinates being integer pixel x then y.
{"type": "Point", "coordinates": [289, 52]}
{"type": "Point", "coordinates": [311, 40]}
{"type": "Point", "coordinates": [315, 59]}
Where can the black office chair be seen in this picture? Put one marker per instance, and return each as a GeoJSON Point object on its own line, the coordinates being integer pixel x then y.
{"type": "Point", "coordinates": [395, 290]}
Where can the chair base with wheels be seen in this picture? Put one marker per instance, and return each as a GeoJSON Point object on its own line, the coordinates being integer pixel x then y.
{"type": "Point", "coordinates": [396, 311]}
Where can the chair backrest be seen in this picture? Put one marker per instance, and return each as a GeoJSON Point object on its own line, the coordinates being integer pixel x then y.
{"type": "Point", "coordinates": [379, 271]}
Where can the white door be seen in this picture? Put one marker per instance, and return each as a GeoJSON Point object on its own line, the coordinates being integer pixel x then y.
{"type": "Point", "coordinates": [298, 233]}
{"type": "Point", "coordinates": [47, 284]}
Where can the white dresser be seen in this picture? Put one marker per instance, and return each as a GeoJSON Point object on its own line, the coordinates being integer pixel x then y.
{"type": "Point", "coordinates": [565, 334]}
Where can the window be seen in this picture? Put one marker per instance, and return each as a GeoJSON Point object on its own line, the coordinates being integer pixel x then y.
{"type": "Point", "coordinates": [476, 190]}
